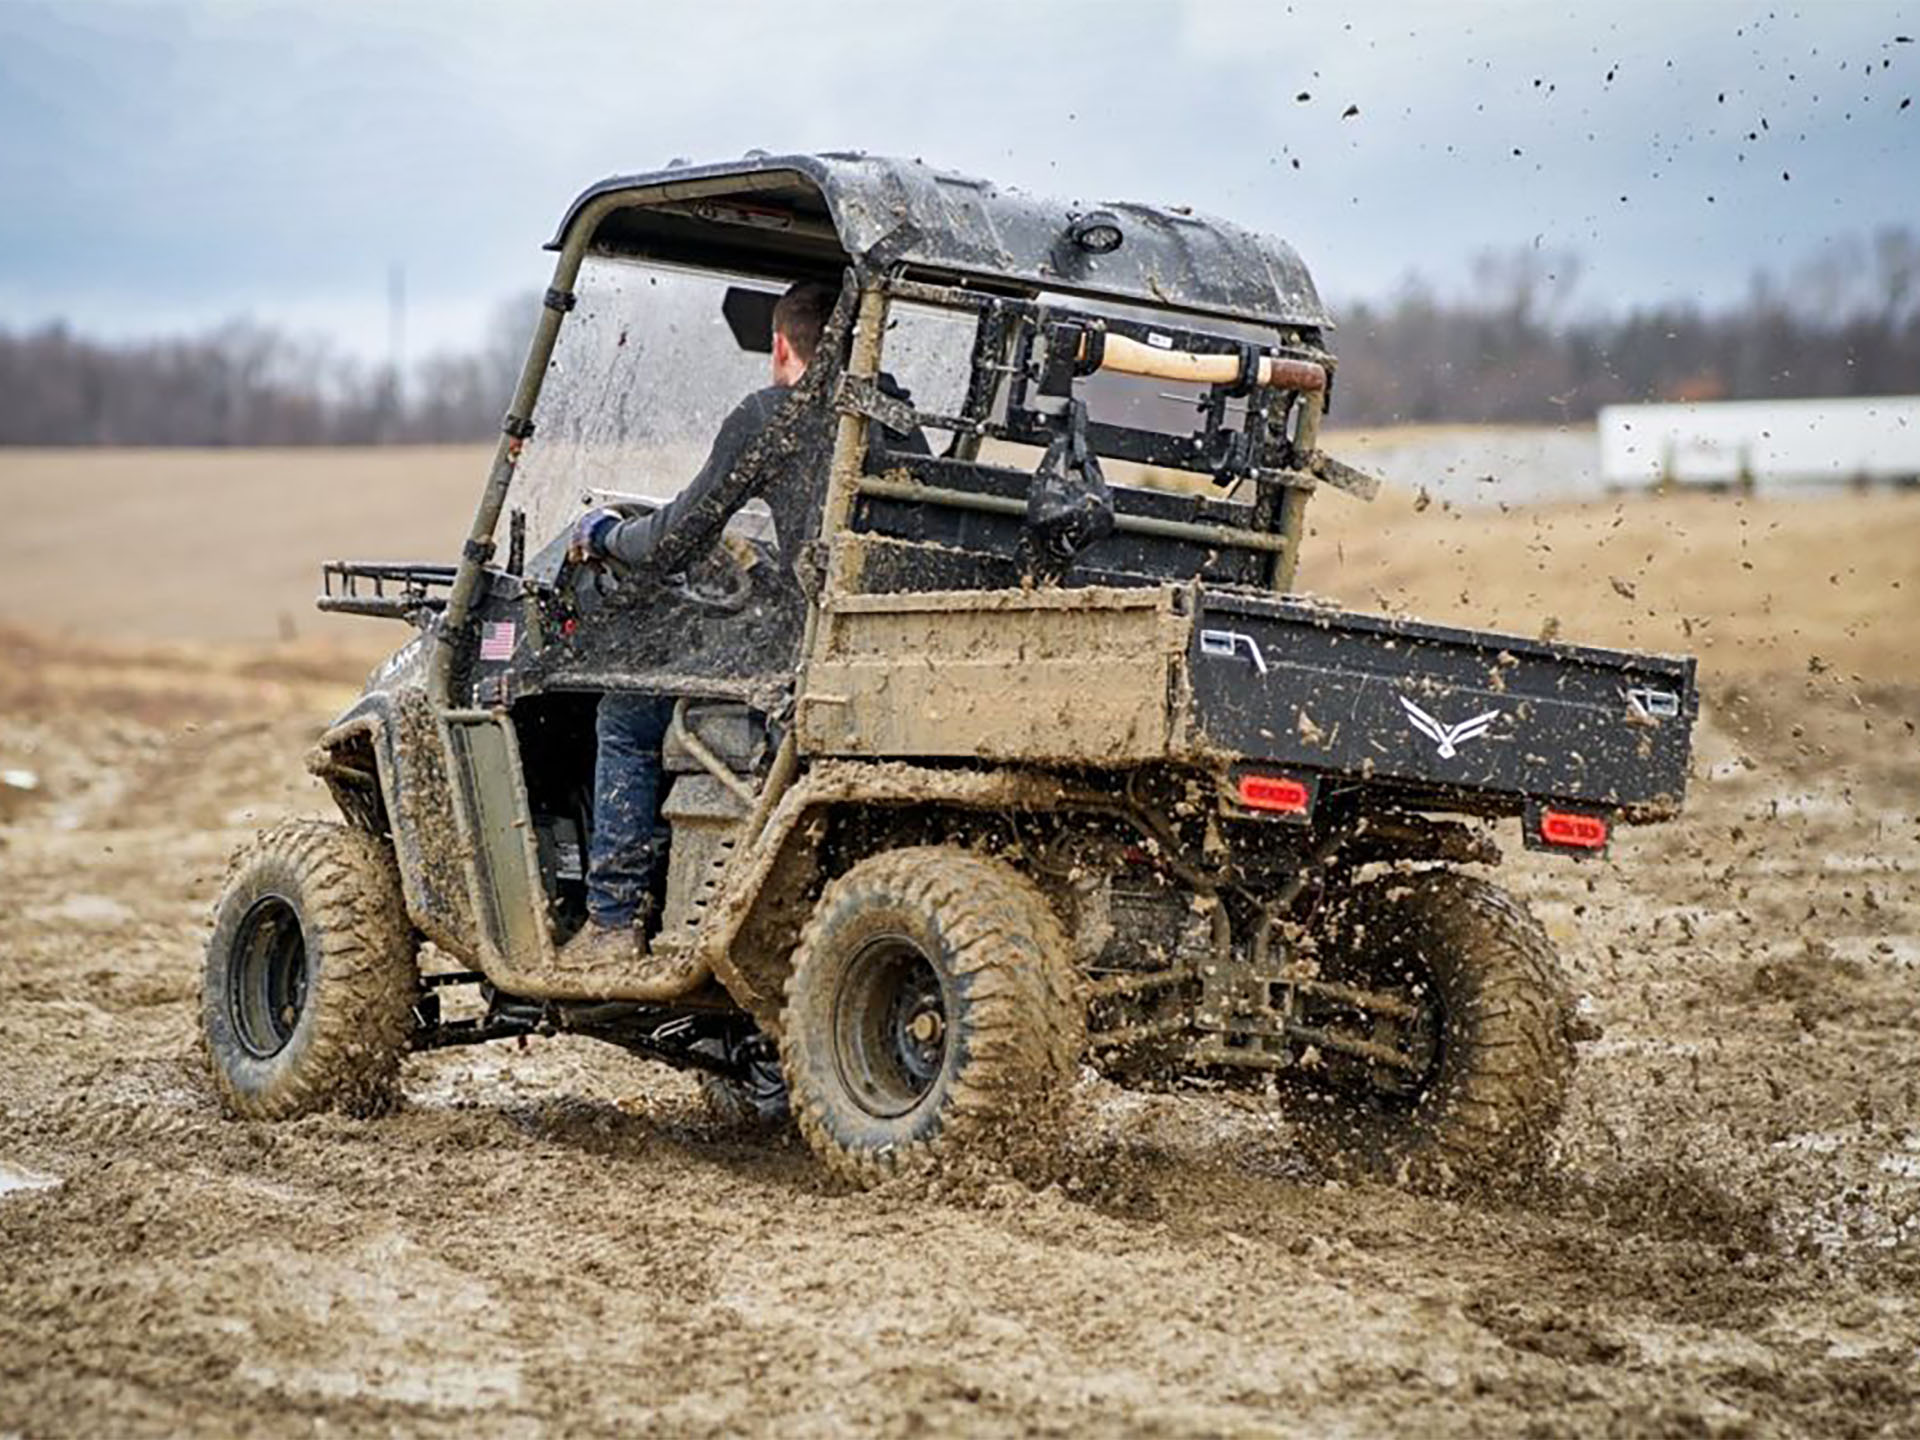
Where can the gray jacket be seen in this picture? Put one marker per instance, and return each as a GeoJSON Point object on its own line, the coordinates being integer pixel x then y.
{"type": "Point", "coordinates": [773, 446]}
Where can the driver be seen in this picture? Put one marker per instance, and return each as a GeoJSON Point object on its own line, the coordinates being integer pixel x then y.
{"type": "Point", "coordinates": [630, 727]}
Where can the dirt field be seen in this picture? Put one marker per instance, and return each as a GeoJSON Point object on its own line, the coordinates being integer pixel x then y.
{"type": "Point", "coordinates": [556, 1238]}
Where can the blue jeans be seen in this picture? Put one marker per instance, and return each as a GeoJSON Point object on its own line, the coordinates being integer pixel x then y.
{"type": "Point", "coordinates": [626, 805]}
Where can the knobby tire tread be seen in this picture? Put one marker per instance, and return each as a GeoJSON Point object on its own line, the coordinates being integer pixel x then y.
{"type": "Point", "coordinates": [1026, 1020]}
{"type": "Point", "coordinates": [1492, 1111]}
{"type": "Point", "coordinates": [362, 975]}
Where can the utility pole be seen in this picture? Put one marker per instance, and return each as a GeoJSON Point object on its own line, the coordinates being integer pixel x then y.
{"type": "Point", "coordinates": [396, 346]}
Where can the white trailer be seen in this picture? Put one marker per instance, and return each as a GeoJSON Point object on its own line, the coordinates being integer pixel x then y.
{"type": "Point", "coordinates": [1761, 444]}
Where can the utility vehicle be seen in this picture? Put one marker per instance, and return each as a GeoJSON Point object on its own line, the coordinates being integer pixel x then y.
{"type": "Point", "coordinates": [1033, 760]}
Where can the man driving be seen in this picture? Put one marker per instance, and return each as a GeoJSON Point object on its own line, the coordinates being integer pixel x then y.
{"type": "Point", "coordinates": [631, 727]}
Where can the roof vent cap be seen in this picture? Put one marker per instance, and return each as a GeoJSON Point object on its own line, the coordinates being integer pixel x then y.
{"type": "Point", "coordinates": [1097, 232]}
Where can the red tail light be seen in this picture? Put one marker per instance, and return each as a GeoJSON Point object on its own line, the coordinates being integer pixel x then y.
{"type": "Point", "coordinates": [1279, 793]}
{"type": "Point", "coordinates": [1573, 830]}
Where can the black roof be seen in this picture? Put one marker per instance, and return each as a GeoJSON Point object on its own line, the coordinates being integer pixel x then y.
{"type": "Point", "coordinates": [883, 211]}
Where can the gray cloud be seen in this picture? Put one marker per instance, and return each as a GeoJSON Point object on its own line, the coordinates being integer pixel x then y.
{"type": "Point", "coordinates": [170, 163]}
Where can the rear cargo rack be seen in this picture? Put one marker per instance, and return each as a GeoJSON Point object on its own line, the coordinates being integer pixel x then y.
{"type": "Point", "coordinates": [388, 590]}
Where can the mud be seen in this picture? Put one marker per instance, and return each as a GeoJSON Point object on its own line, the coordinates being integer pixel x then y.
{"type": "Point", "coordinates": [1729, 1241]}
{"type": "Point", "coordinates": [557, 1236]}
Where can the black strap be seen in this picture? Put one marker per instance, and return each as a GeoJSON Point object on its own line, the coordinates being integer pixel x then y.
{"type": "Point", "coordinates": [1248, 380]}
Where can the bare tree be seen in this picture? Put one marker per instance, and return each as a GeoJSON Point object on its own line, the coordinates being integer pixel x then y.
{"type": "Point", "coordinates": [1507, 347]}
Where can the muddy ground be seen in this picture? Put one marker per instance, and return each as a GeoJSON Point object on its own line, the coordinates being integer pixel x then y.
{"type": "Point", "coordinates": [557, 1237]}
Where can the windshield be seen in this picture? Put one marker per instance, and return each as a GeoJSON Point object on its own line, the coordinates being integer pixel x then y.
{"type": "Point", "coordinates": [644, 371]}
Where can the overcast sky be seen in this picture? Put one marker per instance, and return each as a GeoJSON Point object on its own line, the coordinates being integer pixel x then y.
{"type": "Point", "coordinates": [166, 164]}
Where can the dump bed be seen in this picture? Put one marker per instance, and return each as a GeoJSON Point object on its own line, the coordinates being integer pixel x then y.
{"type": "Point", "coordinates": [1468, 712]}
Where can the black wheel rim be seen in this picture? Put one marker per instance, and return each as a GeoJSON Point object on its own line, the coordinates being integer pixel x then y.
{"type": "Point", "coordinates": [890, 1032]}
{"type": "Point", "coordinates": [267, 976]}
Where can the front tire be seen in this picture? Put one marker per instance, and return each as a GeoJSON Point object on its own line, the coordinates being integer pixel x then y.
{"type": "Point", "coordinates": [932, 1014]}
{"type": "Point", "coordinates": [1491, 1025]}
{"type": "Point", "coordinates": [308, 991]}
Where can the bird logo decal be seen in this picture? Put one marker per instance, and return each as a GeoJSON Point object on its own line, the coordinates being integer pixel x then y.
{"type": "Point", "coordinates": [1448, 737]}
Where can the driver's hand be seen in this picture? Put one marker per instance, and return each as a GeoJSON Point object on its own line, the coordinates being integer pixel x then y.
{"type": "Point", "coordinates": [590, 534]}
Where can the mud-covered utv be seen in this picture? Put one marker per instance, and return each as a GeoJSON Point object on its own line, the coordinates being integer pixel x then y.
{"type": "Point", "coordinates": [1020, 755]}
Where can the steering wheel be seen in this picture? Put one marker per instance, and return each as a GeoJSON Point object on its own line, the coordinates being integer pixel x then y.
{"type": "Point", "coordinates": [720, 582]}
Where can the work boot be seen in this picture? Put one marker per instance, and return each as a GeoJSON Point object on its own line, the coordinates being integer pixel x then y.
{"type": "Point", "coordinates": [599, 947]}
{"type": "Point", "coordinates": [668, 967]}
{"type": "Point", "coordinates": [617, 959]}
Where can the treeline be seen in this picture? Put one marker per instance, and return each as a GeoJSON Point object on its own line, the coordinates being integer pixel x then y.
{"type": "Point", "coordinates": [1516, 348]}
{"type": "Point", "coordinates": [1510, 346]}
{"type": "Point", "coordinates": [246, 384]}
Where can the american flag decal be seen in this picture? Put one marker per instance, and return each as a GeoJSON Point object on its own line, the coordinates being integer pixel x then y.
{"type": "Point", "coordinates": [496, 640]}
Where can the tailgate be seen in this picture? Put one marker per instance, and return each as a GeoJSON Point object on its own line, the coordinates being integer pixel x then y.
{"type": "Point", "coordinates": [1389, 699]}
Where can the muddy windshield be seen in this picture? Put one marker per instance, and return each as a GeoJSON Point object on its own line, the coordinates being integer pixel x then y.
{"type": "Point", "coordinates": [645, 370]}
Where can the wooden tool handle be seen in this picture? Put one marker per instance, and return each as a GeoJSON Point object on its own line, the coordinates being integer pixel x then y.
{"type": "Point", "coordinates": [1130, 357]}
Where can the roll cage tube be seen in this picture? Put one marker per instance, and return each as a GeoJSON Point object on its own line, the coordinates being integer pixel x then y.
{"type": "Point", "coordinates": [514, 433]}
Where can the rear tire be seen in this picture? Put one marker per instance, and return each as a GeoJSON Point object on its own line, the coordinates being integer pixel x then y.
{"type": "Point", "coordinates": [932, 1015]}
{"type": "Point", "coordinates": [1495, 1021]}
{"type": "Point", "coordinates": [308, 991]}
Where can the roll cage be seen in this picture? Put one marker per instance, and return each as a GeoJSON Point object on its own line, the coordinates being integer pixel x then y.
{"type": "Point", "coordinates": [1061, 300]}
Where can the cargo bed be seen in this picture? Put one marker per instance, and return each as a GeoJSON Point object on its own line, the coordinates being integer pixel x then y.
{"type": "Point", "coordinates": [1492, 720]}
